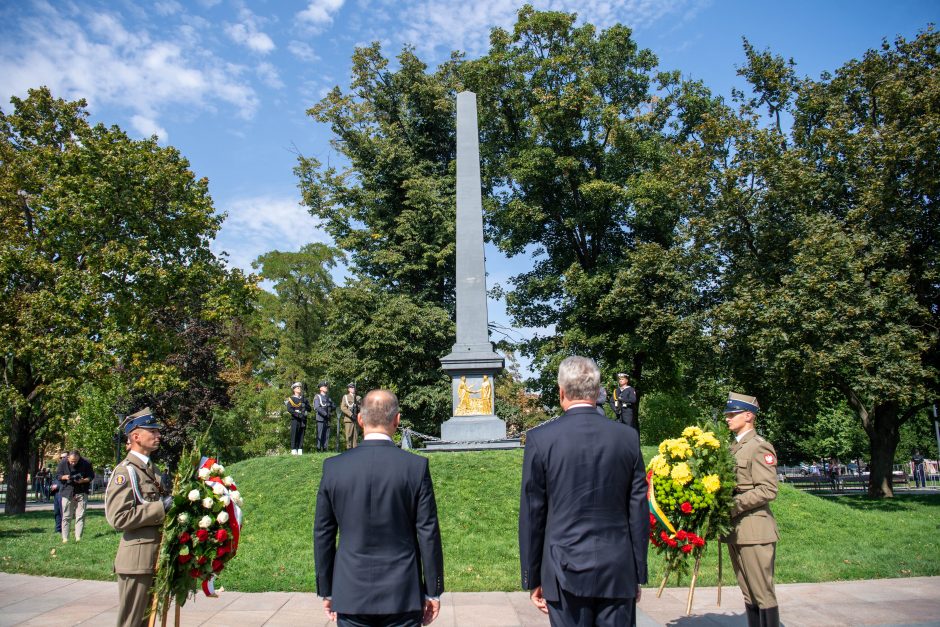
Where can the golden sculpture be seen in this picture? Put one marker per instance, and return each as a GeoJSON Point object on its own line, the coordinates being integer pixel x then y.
{"type": "Point", "coordinates": [470, 405]}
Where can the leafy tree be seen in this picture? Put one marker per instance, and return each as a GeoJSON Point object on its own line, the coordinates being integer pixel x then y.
{"type": "Point", "coordinates": [392, 211]}
{"type": "Point", "coordinates": [105, 259]}
{"type": "Point", "coordinates": [573, 141]}
{"type": "Point", "coordinates": [824, 242]}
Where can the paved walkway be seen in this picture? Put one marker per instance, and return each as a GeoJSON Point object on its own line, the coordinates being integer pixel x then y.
{"type": "Point", "coordinates": [27, 600]}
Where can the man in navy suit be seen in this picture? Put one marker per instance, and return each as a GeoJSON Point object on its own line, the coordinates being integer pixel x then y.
{"type": "Point", "coordinates": [389, 568]}
{"type": "Point", "coordinates": [583, 517]}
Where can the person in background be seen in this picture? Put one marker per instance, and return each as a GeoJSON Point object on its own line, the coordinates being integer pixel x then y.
{"type": "Point", "coordinates": [75, 476]}
{"type": "Point", "coordinates": [623, 402]}
{"type": "Point", "coordinates": [323, 407]}
{"type": "Point", "coordinates": [349, 407]}
{"type": "Point", "coordinates": [56, 490]}
{"type": "Point", "coordinates": [920, 476]}
{"type": "Point", "coordinates": [298, 407]}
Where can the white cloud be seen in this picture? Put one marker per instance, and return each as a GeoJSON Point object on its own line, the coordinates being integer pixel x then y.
{"type": "Point", "coordinates": [256, 225]}
{"type": "Point", "coordinates": [440, 25]}
{"type": "Point", "coordinates": [302, 51]}
{"type": "Point", "coordinates": [320, 12]}
{"type": "Point", "coordinates": [269, 75]}
{"type": "Point", "coordinates": [94, 56]}
{"type": "Point", "coordinates": [168, 7]}
{"type": "Point", "coordinates": [247, 32]}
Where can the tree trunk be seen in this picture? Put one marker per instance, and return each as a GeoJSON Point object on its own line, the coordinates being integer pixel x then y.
{"type": "Point", "coordinates": [18, 466]}
{"type": "Point", "coordinates": [884, 434]}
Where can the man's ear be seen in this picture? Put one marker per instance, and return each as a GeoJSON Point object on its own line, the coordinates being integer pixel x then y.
{"type": "Point", "coordinates": [359, 420]}
{"type": "Point", "coordinates": [397, 421]}
{"type": "Point", "coordinates": [561, 395]}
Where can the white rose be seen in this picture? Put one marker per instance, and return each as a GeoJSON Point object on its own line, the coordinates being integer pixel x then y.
{"type": "Point", "coordinates": [205, 522]}
{"type": "Point", "coordinates": [207, 502]}
{"type": "Point", "coordinates": [218, 488]}
{"type": "Point", "coordinates": [216, 469]}
{"type": "Point", "coordinates": [183, 518]}
{"type": "Point", "coordinates": [222, 517]}
{"type": "Point", "coordinates": [228, 481]}
{"type": "Point", "coordinates": [236, 496]}
{"type": "Point", "coordinates": [194, 495]}
{"type": "Point", "coordinates": [203, 473]}
{"type": "Point", "coordinates": [225, 500]}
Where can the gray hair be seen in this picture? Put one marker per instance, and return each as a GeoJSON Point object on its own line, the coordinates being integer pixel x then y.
{"type": "Point", "coordinates": [379, 408]}
{"type": "Point", "coordinates": [580, 378]}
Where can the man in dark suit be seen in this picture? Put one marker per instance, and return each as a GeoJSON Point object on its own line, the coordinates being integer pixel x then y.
{"type": "Point", "coordinates": [583, 517]}
{"type": "Point", "coordinates": [389, 568]}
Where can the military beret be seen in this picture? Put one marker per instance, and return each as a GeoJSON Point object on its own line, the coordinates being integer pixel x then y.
{"type": "Point", "coordinates": [740, 402]}
{"type": "Point", "coordinates": [143, 419]}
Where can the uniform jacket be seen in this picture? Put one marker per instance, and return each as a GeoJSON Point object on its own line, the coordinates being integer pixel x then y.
{"type": "Point", "coordinates": [323, 407]}
{"type": "Point", "coordinates": [756, 474]}
{"type": "Point", "coordinates": [583, 516]}
{"type": "Point", "coordinates": [298, 407]}
{"type": "Point", "coordinates": [623, 402]}
{"type": "Point", "coordinates": [381, 500]}
{"type": "Point", "coordinates": [132, 504]}
{"type": "Point", "coordinates": [346, 405]}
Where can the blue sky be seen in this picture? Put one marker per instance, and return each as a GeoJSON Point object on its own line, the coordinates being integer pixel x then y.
{"type": "Point", "coordinates": [228, 82]}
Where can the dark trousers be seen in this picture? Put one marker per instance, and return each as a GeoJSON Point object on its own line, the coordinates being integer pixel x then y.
{"type": "Point", "coordinates": [297, 428]}
{"type": "Point", "coordinates": [920, 477]}
{"type": "Point", "coordinates": [323, 435]}
{"type": "Point", "coordinates": [575, 611]}
{"type": "Point", "coordinates": [57, 509]}
{"type": "Point", "coordinates": [408, 619]}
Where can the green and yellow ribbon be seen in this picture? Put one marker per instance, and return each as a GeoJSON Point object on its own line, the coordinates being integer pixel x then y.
{"type": "Point", "coordinates": [655, 510]}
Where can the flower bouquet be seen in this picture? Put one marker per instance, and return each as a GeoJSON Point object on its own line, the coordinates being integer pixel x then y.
{"type": "Point", "coordinates": [691, 486]}
{"type": "Point", "coordinates": [200, 533]}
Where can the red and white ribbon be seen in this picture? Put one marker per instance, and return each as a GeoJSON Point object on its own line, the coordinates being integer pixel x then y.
{"type": "Point", "coordinates": [234, 517]}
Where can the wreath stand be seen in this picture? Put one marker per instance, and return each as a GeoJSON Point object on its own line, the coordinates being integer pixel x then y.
{"type": "Point", "coordinates": [688, 606]}
{"type": "Point", "coordinates": [163, 621]}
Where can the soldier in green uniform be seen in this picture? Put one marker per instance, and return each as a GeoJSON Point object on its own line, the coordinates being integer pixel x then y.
{"type": "Point", "coordinates": [136, 503]}
{"type": "Point", "coordinates": [752, 542]}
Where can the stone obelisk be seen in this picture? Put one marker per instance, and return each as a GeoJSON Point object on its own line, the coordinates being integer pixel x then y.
{"type": "Point", "coordinates": [472, 364]}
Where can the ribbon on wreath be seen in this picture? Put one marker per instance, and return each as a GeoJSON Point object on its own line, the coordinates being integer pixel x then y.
{"type": "Point", "coordinates": [655, 510]}
{"type": "Point", "coordinates": [234, 516]}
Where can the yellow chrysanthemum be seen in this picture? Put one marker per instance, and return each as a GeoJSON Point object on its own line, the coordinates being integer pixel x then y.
{"type": "Point", "coordinates": [707, 439]}
{"type": "Point", "coordinates": [711, 483]}
{"type": "Point", "coordinates": [659, 466]}
{"type": "Point", "coordinates": [662, 447]}
{"type": "Point", "coordinates": [679, 448]}
{"type": "Point", "coordinates": [691, 432]}
{"type": "Point", "coordinates": [681, 474]}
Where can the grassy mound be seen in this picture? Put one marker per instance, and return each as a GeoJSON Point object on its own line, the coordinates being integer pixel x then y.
{"type": "Point", "coordinates": [822, 538]}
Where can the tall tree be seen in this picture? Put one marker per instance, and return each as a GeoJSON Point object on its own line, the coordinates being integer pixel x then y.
{"type": "Point", "coordinates": [392, 211]}
{"type": "Point", "coordinates": [825, 238]}
{"type": "Point", "coordinates": [105, 250]}
{"type": "Point", "coordinates": [573, 141]}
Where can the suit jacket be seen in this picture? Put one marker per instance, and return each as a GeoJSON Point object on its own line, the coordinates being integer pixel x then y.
{"type": "Point", "coordinates": [752, 522]}
{"type": "Point", "coordinates": [583, 517]}
{"type": "Point", "coordinates": [381, 501]}
{"type": "Point", "coordinates": [132, 504]}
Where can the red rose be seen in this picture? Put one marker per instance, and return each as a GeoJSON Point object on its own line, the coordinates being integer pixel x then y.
{"type": "Point", "coordinates": [202, 535]}
{"type": "Point", "coordinates": [195, 574]}
{"type": "Point", "coordinates": [185, 537]}
{"type": "Point", "coordinates": [221, 535]}
{"type": "Point", "coordinates": [222, 550]}
{"type": "Point", "coordinates": [686, 508]}
{"type": "Point", "coordinates": [201, 560]}
{"type": "Point", "coordinates": [664, 536]}
{"type": "Point", "coordinates": [697, 541]}
{"type": "Point", "coordinates": [182, 559]}
{"type": "Point", "coordinates": [672, 543]}
{"type": "Point", "coordinates": [652, 521]}
{"type": "Point", "coordinates": [686, 548]}
{"type": "Point", "coordinates": [217, 565]}
{"type": "Point", "coordinates": [682, 535]}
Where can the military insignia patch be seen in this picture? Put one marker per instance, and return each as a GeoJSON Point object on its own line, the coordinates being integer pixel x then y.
{"type": "Point", "coordinates": [120, 479]}
{"type": "Point", "coordinates": [769, 459]}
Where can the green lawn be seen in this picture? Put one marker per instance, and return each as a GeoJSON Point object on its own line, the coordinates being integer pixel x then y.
{"type": "Point", "coordinates": [822, 538]}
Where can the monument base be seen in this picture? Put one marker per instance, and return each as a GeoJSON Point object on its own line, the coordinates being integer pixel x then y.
{"type": "Point", "coordinates": [470, 433]}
